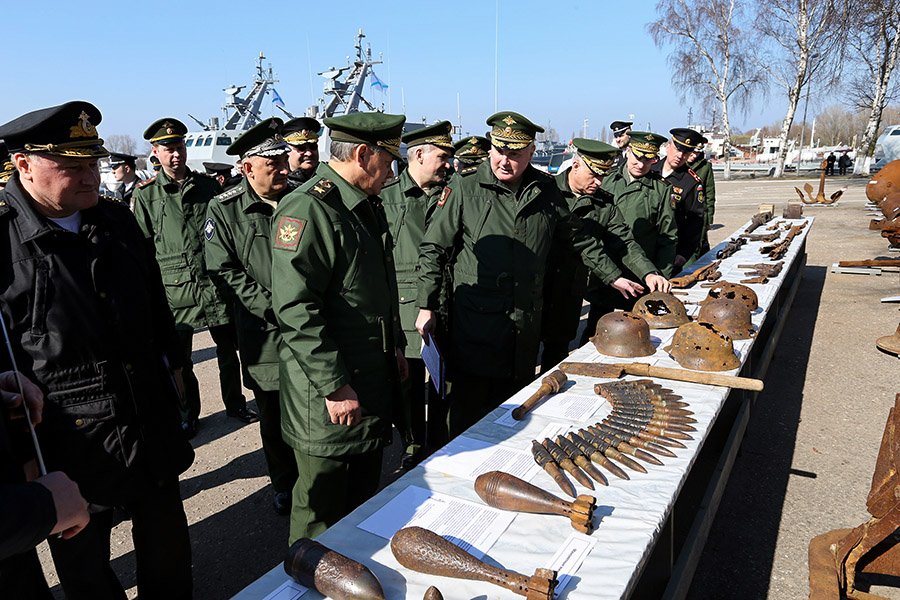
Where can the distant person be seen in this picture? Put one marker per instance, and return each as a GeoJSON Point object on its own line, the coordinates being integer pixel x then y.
{"type": "Point", "coordinates": [221, 172]}
{"type": "Point", "coordinates": [829, 164]}
{"type": "Point", "coordinates": [124, 170]}
{"type": "Point", "coordinates": [171, 211]}
{"type": "Point", "coordinates": [409, 203]}
{"type": "Point", "coordinates": [646, 204]}
{"type": "Point", "coordinates": [469, 153]}
{"type": "Point", "coordinates": [302, 136]}
{"type": "Point", "coordinates": [154, 162]}
{"type": "Point", "coordinates": [620, 130]}
{"type": "Point", "coordinates": [703, 168]}
{"type": "Point", "coordinates": [844, 163]}
{"type": "Point", "coordinates": [687, 193]}
{"type": "Point", "coordinates": [239, 260]}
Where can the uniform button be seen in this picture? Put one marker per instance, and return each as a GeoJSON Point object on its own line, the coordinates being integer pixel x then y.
{"type": "Point", "coordinates": [262, 327]}
{"type": "Point", "coordinates": [516, 284]}
{"type": "Point", "coordinates": [395, 318]}
{"type": "Point", "coordinates": [402, 298]}
{"type": "Point", "coordinates": [518, 331]}
{"type": "Point", "coordinates": [356, 371]}
{"type": "Point", "coordinates": [103, 294]}
{"type": "Point", "coordinates": [128, 366]}
{"type": "Point", "coordinates": [176, 281]}
{"type": "Point", "coordinates": [515, 231]}
{"type": "Point", "coordinates": [79, 422]}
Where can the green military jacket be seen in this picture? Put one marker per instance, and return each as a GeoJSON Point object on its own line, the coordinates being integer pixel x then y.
{"type": "Point", "coordinates": [172, 217]}
{"type": "Point", "coordinates": [239, 261]}
{"type": "Point", "coordinates": [501, 242]}
{"type": "Point", "coordinates": [334, 293]}
{"type": "Point", "coordinates": [567, 276]}
{"type": "Point", "coordinates": [408, 209]}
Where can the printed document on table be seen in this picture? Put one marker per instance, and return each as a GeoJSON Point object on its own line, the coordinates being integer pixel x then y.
{"type": "Point", "coordinates": [473, 527]}
{"type": "Point", "coordinates": [570, 556]}
{"type": "Point", "coordinates": [289, 590]}
{"type": "Point", "coordinates": [565, 405]}
{"type": "Point", "coordinates": [468, 458]}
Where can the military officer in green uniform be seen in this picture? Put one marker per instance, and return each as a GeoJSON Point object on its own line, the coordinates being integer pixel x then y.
{"type": "Point", "coordinates": [645, 202]}
{"type": "Point", "coordinates": [171, 211]}
{"type": "Point", "coordinates": [409, 201]}
{"type": "Point", "coordinates": [334, 293]}
{"type": "Point", "coordinates": [687, 192]}
{"type": "Point", "coordinates": [567, 275]}
{"type": "Point", "coordinates": [239, 261]}
{"type": "Point", "coordinates": [469, 153]}
{"type": "Point", "coordinates": [703, 169]}
{"type": "Point", "coordinates": [302, 136]}
{"type": "Point", "coordinates": [497, 227]}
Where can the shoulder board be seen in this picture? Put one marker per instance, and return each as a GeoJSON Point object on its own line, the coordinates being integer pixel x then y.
{"type": "Point", "coordinates": [694, 175]}
{"type": "Point", "coordinates": [147, 182]}
{"type": "Point", "coordinates": [468, 170]}
{"type": "Point", "coordinates": [109, 197]}
{"type": "Point", "coordinates": [230, 194]}
{"type": "Point", "coordinates": [604, 195]}
{"type": "Point", "coordinates": [654, 175]}
{"type": "Point", "coordinates": [206, 176]}
{"type": "Point", "coordinates": [320, 188]}
{"type": "Point", "coordinates": [544, 177]}
{"type": "Point", "coordinates": [4, 205]}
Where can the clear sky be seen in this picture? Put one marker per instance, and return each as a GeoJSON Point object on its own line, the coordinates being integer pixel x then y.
{"type": "Point", "coordinates": [558, 63]}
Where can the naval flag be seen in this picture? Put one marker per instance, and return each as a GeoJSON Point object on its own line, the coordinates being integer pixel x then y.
{"type": "Point", "coordinates": [277, 99]}
{"type": "Point", "coordinates": [377, 83]}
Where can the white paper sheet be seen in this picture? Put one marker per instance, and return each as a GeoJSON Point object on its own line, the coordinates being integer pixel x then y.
{"type": "Point", "coordinates": [468, 458]}
{"type": "Point", "coordinates": [473, 527]}
{"type": "Point", "coordinates": [575, 407]}
{"type": "Point", "coordinates": [289, 590]}
{"type": "Point", "coordinates": [569, 557]}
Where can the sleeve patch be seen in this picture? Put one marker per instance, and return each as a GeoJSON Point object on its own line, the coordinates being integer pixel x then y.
{"type": "Point", "coordinates": [289, 232]}
{"type": "Point", "coordinates": [209, 229]}
{"type": "Point", "coordinates": [444, 194]}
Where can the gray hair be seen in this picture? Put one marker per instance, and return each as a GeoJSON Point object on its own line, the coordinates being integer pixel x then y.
{"type": "Point", "coordinates": [342, 151]}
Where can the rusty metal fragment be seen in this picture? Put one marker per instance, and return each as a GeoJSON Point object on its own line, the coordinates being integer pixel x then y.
{"type": "Point", "coordinates": [836, 557]}
{"type": "Point", "coordinates": [731, 248]}
{"type": "Point", "coordinates": [890, 343]}
{"type": "Point", "coordinates": [426, 552]}
{"type": "Point", "coordinates": [550, 384]}
{"type": "Point", "coordinates": [793, 211]}
{"type": "Point", "coordinates": [433, 593]}
{"type": "Point", "coordinates": [624, 335]}
{"type": "Point", "coordinates": [702, 347]}
{"type": "Point", "coordinates": [311, 564]}
{"type": "Point", "coordinates": [708, 273]}
{"type": "Point", "coordinates": [777, 251]}
{"type": "Point", "coordinates": [759, 219]}
{"type": "Point", "coordinates": [661, 310]}
{"type": "Point", "coordinates": [507, 492]}
{"type": "Point", "coordinates": [884, 182]}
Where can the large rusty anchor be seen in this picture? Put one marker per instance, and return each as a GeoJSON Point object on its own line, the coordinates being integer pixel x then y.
{"type": "Point", "coordinates": [820, 197]}
{"type": "Point", "coordinates": [836, 557]}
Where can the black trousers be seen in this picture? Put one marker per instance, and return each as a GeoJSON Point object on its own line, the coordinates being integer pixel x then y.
{"type": "Point", "coordinates": [161, 545]}
{"type": "Point", "coordinates": [474, 396]}
{"type": "Point", "coordinates": [225, 339]}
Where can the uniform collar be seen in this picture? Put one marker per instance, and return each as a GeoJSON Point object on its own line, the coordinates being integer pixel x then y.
{"type": "Point", "coordinates": [165, 180]}
{"type": "Point", "coordinates": [562, 182]}
{"type": "Point", "coordinates": [255, 202]}
{"type": "Point", "coordinates": [351, 195]}
{"type": "Point", "coordinates": [29, 223]}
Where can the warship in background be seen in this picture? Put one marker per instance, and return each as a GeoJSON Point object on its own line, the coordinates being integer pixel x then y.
{"type": "Point", "coordinates": [343, 94]}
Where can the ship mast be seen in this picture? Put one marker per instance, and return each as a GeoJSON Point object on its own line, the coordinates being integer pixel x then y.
{"type": "Point", "coordinates": [243, 113]}
{"type": "Point", "coordinates": [347, 95]}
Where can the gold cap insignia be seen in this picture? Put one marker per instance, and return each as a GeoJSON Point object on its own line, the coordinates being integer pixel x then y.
{"type": "Point", "coordinates": [509, 120]}
{"type": "Point", "coordinates": [508, 130]}
{"type": "Point", "coordinates": [83, 128]}
{"type": "Point", "coordinates": [687, 141]}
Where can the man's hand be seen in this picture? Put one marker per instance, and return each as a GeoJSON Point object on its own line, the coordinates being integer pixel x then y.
{"type": "Point", "coordinates": [626, 287]}
{"type": "Point", "coordinates": [658, 283]}
{"type": "Point", "coordinates": [12, 400]}
{"type": "Point", "coordinates": [679, 262]}
{"type": "Point", "coordinates": [402, 365]}
{"type": "Point", "coordinates": [425, 322]}
{"type": "Point", "coordinates": [343, 407]}
{"type": "Point", "coordinates": [71, 509]}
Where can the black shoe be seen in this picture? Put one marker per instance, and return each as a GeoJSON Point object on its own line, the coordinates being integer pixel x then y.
{"type": "Point", "coordinates": [243, 414]}
{"type": "Point", "coordinates": [282, 503]}
{"type": "Point", "coordinates": [189, 428]}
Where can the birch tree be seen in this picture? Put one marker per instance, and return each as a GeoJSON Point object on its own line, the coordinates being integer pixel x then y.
{"type": "Point", "coordinates": [806, 43]}
{"type": "Point", "coordinates": [709, 56]}
{"type": "Point", "coordinates": [874, 42]}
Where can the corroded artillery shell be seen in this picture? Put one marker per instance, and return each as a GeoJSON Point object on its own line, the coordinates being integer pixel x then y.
{"type": "Point", "coordinates": [311, 564]}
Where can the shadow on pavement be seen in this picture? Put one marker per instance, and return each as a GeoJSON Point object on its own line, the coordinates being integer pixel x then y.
{"type": "Point", "coordinates": [737, 560]}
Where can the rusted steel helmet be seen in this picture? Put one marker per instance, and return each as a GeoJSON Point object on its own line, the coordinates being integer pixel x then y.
{"type": "Point", "coordinates": [733, 291]}
{"type": "Point", "coordinates": [702, 347]}
{"type": "Point", "coordinates": [889, 343]}
{"type": "Point", "coordinates": [623, 334]}
{"type": "Point", "coordinates": [661, 310]}
{"type": "Point", "coordinates": [729, 316]}
{"type": "Point", "coordinates": [884, 182]}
